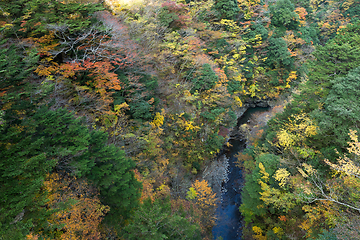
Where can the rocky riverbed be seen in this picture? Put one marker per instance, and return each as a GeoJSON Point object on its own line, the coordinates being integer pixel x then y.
{"type": "Point", "coordinates": [226, 178]}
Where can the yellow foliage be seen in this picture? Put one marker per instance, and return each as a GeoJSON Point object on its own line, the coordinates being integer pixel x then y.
{"type": "Point", "coordinates": [278, 231]}
{"type": "Point", "coordinates": [189, 126]}
{"type": "Point", "coordinates": [296, 131]}
{"type": "Point", "coordinates": [292, 76]}
{"type": "Point", "coordinates": [6, 25]}
{"type": "Point", "coordinates": [238, 101]}
{"type": "Point", "coordinates": [286, 139]}
{"type": "Point", "coordinates": [158, 119]}
{"type": "Point", "coordinates": [247, 7]}
{"type": "Point", "coordinates": [191, 194]}
{"type": "Point", "coordinates": [123, 106]}
{"type": "Point", "coordinates": [204, 194]}
{"type": "Point", "coordinates": [42, 70]}
{"type": "Point", "coordinates": [316, 214]}
{"type": "Point", "coordinates": [346, 165]}
{"type": "Point", "coordinates": [197, 7]}
{"type": "Point", "coordinates": [305, 225]}
{"type": "Point", "coordinates": [307, 170]}
{"type": "Point", "coordinates": [257, 230]}
{"type": "Point", "coordinates": [315, 4]}
{"type": "Point", "coordinates": [263, 172]}
{"type": "Point", "coordinates": [82, 218]}
{"type": "Point", "coordinates": [282, 175]}
{"type": "Point", "coordinates": [163, 190]}
{"type": "Point", "coordinates": [273, 196]}
{"type": "Point", "coordinates": [347, 4]}
{"type": "Point", "coordinates": [258, 233]}
{"type": "Point", "coordinates": [252, 89]}
{"type": "Point", "coordinates": [205, 200]}
{"type": "Point", "coordinates": [230, 25]}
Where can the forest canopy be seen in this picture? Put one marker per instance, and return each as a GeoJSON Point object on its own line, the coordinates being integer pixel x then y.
{"type": "Point", "coordinates": [111, 111]}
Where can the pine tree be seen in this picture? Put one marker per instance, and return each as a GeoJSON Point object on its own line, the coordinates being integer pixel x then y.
{"type": "Point", "coordinates": [112, 173]}
{"type": "Point", "coordinates": [155, 220]}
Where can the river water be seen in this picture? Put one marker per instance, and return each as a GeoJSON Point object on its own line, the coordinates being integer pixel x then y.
{"type": "Point", "coordinates": [228, 223]}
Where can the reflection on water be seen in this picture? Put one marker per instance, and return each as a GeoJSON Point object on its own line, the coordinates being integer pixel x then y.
{"type": "Point", "coordinates": [227, 213]}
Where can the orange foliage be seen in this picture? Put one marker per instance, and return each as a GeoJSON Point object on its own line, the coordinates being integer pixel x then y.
{"type": "Point", "coordinates": [206, 201]}
{"type": "Point", "coordinates": [103, 78]}
{"type": "Point", "coordinates": [221, 74]}
{"type": "Point", "coordinates": [180, 10]}
{"type": "Point", "coordinates": [81, 219]}
{"type": "Point", "coordinates": [301, 12]}
{"type": "Point", "coordinates": [147, 189]}
{"type": "Point", "coordinates": [245, 161]}
{"type": "Point", "coordinates": [96, 55]}
{"type": "Point", "coordinates": [192, 212]}
{"type": "Point", "coordinates": [205, 197]}
{"type": "Point", "coordinates": [283, 218]}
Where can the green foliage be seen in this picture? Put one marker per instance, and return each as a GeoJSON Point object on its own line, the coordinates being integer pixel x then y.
{"type": "Point", "coordinates": [139, 92]}
{"type": "Point", "coordinates": [34, 142]}
{"type": "Point", "coordinates": [258, 29]}
{"type": "Point", "coordinates": [310, 34]}
{"type": "Point", "coordinates": [33, 17]}
{"type": "Point", "coordinates": [23, 163]}
{"type": "Point", "coordinates": [141, 110]}
{"type": "Point", "coordinates": [335, 59]}
{"type": "Point", "coordinates": [13, 67]}
{"type": "Point", "coordinates": [278, 55]}
{"type": "Point", "coordinates": [329, 99]}
{"type": "Point", "coordinates": [30, 149]}
{"type": "Point", "coordinates": [227, 8]}
{"type": "Point", "coordinates": [327, 235]}
{"type": "Point", "coordinates": [353, 11]}
{"type": "Point", "coordinates": [214, 143]}
{"type": "Point", "coordinates": [155, 220]}
{"type": "Point", "coordinates": [252, 207]}
{"type": "Point", "coordinates": [283, 15]}
{"type": "Point", "coordinates": [56, 140]}
{"type": "Point", "coordinates": [213, 114]}
{"type": "Point", "coordinates": [172, 15]}
{"type": "Point", "coordinates": [112, 174]}
{"type": "Point", "coordinates": [166, 17]}
{"type": "Point", "coordinates": [343, 97]}
{"type": "Point", "coordinates": [191, 194]}
{"type": "Point", "coordinates": [341, 108]}
{"type": "Point", "coordinates": [206, 68]}
{"type": "Point", "coordinates": [206, 79]}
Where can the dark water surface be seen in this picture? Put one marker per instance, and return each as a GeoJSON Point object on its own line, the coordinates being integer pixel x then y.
{"type": "Point", "coordinates": [228, 225]}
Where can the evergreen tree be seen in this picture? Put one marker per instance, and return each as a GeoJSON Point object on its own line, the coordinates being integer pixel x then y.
{"type": "Point", "coordinates": [112, 173]}
{"type": "Point", "coordinates": [206, 79]}
{"type": "Point", "coordinates": [227, 8]}
{"type": "Point", "coordinates": [29, 149]}
{"type": "Point", "coordinates": [252, 206]}
{"type": "Point", "coordinates": [49, 140]}
{"type": "Point", "coordinates": [278, 55]}
{"type": "Point", "coordinates": [341, 109]}
{"type": "Point", "coordinates": [155, 221]}
{"type": "Point", "coordinates": [283, 15]}
{"type": "Point", "coordinates": [34, 17]}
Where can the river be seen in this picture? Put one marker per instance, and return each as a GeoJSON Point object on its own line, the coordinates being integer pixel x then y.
{"type": "Point", "coordinates": [228, 223]}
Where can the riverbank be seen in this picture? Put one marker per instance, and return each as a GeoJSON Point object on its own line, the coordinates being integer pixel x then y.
{"type": "Point", "coordinates": [229, 179]}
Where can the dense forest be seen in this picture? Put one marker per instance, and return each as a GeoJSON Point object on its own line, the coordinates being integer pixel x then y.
{"type": "Point", "coordinates": [110, 112]}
